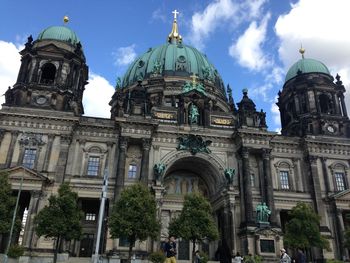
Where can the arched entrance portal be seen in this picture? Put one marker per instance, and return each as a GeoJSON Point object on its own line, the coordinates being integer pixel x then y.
{"type": "Point", "coordinates": [186, 175]}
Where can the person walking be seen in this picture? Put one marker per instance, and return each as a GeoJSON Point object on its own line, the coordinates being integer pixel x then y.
{"type": "Point", "coordinates": [301, 258]}
{"type": "Point", "coordinates": [284, 257]}
{"type": "Point", "coordinates": [170, 250]}
{"type": "Point", "coordinates": [237, 258]}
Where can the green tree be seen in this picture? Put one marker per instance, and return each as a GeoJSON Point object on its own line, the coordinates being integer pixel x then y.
{"type": "Point", "coordinates": [7, 205]}
{"type": "Point", "coordinates": [61, 218]}
{"type": "Point", "coordinates": [195, 223]}
{"type": "Point", "coordinates": [303, 229]}
{"type": "Point", "coordinates": [347, 238]}
{"type": "Point", "coordinates": [134, 216]}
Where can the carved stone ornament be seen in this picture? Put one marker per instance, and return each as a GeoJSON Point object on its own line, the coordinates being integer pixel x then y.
{"type": "Point", "coordinates": [189, 86]}
{"type": "Point", "coordinates": [194, 144]}
{"type": "Point", "coordinates": [31, 139]}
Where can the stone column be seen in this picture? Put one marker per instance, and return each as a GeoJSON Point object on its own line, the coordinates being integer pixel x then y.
{"type": "Point", "coordinates": [123, 147]}
{"type": "Point", "coordinates": [343, 107]}
{"type": "Point", "coordinates": [48, 152]}
{"type": "Point", "coordinates": [146, 145]}
{"type": "Point", "coordinates": [268, 185]}
{"type": "Point", "coordinates": [14, 135]}
{"type": "Point", "coordinates": [248, 199]}
{"type": "Point", "coordinates": [325, 174]}
{"type": "Point", "coordinates": [316, 191]}
{"type": "Point", "coordinates": [65, 141]}
{"type": "Point", "coordinates": [2, 134]}
{"type": "Point", "coordinates": [29, 227]}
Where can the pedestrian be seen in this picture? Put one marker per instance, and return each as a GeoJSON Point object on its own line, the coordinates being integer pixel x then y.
{"type": "Point", "coordinates": [170, 250]}
{"type": "Point", "coordinates": [284, 257]}
{"type": "Point", "coordinates": [237, 258]}
{"type": "Point", "coordinates": [301, 258]}
{"type": "Point", "coordinates": [197, 257]}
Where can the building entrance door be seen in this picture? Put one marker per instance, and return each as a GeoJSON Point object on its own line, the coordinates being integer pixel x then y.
{"type": "Point", "coordinates": [86, 245]}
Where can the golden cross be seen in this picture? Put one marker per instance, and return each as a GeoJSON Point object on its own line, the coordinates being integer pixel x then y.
{"type": "Point", "coordinates": [194, 79]}
{"type": "Point", "coordinates": [175, 12]}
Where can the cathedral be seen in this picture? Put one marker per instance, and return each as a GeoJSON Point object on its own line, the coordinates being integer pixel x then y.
{"type": "Point", "coordinates": [174, 127]}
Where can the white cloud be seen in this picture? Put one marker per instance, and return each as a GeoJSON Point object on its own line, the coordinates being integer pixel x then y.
{"type": "Point", "coordinates": [275, 113]}
{"type": "Point", "coordinates": [321, 27]}
{"type": "Point", "coordinates": [124, 55]}
{"type": "Point", "coordinates": [204, 23]}
{"type": "Point", "coordinates": [248, 48]}
{"type": "Point", "coordinates": [219, 13]}
{"type": "Point", "coordinates": [97, 95]}
{"type": "Point", "coordinates": [10, 61]}
{"type": "Point", "coordinates": [159, 14]}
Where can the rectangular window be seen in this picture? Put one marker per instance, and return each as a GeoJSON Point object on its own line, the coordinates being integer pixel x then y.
{"type": "Point", "coordinates": [29, 158]}
{"type": "Point", "coordinates": [123, 242]}
{"type": "Point", "coordinates": [284, 177]}
{"type": "Point", "coordinates": [339, 181]}
{"type": "Point", "coordinates": [93, 166]}
{"type": "Point", "coordinates": [132, 171]}
{"type": "Point", "coordinates": [90, 216]}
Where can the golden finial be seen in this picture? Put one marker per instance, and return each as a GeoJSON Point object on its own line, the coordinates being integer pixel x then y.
{"type": "Point", "coordinates": [174, 35]}
{"type": "Point", "coordinates": [302, 51]}
{"type": "Point", "coordinates": [65, 19]}
{"type": "Point", "coordinates": [194, 78]}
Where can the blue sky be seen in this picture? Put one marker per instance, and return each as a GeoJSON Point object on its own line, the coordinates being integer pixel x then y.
{"type": "Point", "coordinates": [251, 43]}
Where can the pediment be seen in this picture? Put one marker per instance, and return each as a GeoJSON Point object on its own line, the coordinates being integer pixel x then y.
{"type": "Point", "coordinates": [16, 174]}
{"type": "Point", "coordinates": [194, 94]}
{"type": "Point", "coordinates": [342, 196]}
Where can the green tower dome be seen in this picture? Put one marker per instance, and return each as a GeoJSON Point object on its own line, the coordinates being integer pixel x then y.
{"type": "Point", "coordinates": [173, 59]}
{"type": "Point", "coordinates": [306, 65]}
{"type": "Point", "coordinates": [61, 33]}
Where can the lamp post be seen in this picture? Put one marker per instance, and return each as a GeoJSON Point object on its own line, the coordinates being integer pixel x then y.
{"type": "Point", "coordinates": [95, 257]}
{"type": "Point", "coordinates": [13, 220]}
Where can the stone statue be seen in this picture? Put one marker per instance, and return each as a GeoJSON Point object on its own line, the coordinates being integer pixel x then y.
{"type": "Point", "coordinates": [118, 83]}
{"type": "Point", "coordinates": [207, 73]}
{"type": "Point", "coordinates": [229, 174]}
{"type": "Point", "coordinates": [189, 86]}
{"type": "Point", "coordinates": [157, 68]}
{"type": "Point", "coordinates": [9, 98]}
{"type": "Point", "coordinates": [158, 170]}
{"type": "Point", "coordinates": [262, 213]}
{"type": "Point", "coordinates": [193, 115]}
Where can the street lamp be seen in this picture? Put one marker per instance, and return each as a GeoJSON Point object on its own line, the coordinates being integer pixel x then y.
{"type": "Point", "coordinates": [13, 220]}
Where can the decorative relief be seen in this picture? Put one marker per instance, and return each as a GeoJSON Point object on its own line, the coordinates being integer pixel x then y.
{"type": "Point", "coordinates": [31, 139]}
{"type": "Point", "coordinates": [194, 144]}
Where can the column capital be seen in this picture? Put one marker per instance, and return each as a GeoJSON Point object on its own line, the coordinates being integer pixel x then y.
{"type": "Point", "coordinates": [313, 159]}
{"type": "Point", "coordinates": [266, 153]}
{"type": "Point", "coordinates": [245, 152]}
{"type": "Point", "coordinates": [123, 143]}
{"type": "Point", "coordinates": [146, 144]}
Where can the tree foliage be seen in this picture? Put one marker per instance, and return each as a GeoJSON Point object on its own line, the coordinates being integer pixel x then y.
{"type": "Point", "coordinates": [134, 215]}
{"type": "Point", "coordinates": [61, 218]}
{"type": "Point", "coordinates": [303, 230]}
{"type": "Point", "coordinates": [195, 223]}
{"type": "Point", "coordinates": [7, 204]}
{"type": "Point", "coordinates": [347, 238]}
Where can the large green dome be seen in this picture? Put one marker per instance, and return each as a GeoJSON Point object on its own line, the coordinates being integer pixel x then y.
{"type": "Point", "coordinates": [172, 59]}
{"type": "Point", "coordinates": [306, 65]}
{"type": "Point", "coordinates": [61, 33]}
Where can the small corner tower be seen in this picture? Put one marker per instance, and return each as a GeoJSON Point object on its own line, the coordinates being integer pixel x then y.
{"type": "Point", "coordinates": [310, 103]}
{"type": "Point", "coordinates": [53, 72]}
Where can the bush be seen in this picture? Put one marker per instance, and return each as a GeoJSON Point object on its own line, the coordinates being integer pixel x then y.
{"type": "Point", "coordinates": [157, 257]}
{"type": "Point", "coordinates": [253, 259]}
{"type": "Point", "coordinates": [334, 261]}
{"type": "Point", "coordinates": [15, 251]}
{"type": "Point", "coordinates": [204, 257]}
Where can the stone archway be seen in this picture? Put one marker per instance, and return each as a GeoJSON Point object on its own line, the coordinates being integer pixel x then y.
{"type": "Point", "coordinates": [186, 173]}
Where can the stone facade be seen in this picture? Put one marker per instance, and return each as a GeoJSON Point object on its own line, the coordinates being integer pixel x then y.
{"type": "Point", "coordinates": [45, 140]}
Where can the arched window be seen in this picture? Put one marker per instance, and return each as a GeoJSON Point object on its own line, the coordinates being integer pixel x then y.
{"type": "Point", "coordinates": [48, 73]}
{"type": "Point", "coordinates": [325, 104]}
